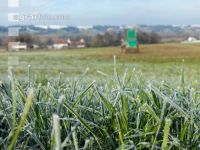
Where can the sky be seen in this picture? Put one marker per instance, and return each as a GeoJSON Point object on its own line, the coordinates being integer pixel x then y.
{"type": "Point", "coordinates": [107, 12]}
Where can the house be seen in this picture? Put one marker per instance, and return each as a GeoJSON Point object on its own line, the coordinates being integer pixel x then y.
{"type": "Point", "coordinates": [81, 43]}
{"type": "Point", "coordinates": [191, 40]}
{"type": "Point", "coordinates": [50, 46]}
{"type": "Point", "coordinates": [60, 44]}
{"type": "Point", "coordinates": [35, 46]}
{"type": "Point", "coordinates": [16, 46]}
{"type": "Point", "coordinates": [69, 41]}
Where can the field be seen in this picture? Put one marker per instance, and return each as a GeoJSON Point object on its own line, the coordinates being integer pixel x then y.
{"type": "Point", "coordinates": [154, 61]}
{"type": "Point", "coordinates": [148, 100]}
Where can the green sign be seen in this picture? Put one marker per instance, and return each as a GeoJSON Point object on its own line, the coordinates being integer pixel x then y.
{"type": "Point", "coordinates": [131, 39]}
{"type": "Point", "coordinates": [131, 34]}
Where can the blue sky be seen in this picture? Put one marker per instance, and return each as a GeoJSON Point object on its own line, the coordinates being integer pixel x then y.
{"type": "Point", "coordinates": [112, 12]}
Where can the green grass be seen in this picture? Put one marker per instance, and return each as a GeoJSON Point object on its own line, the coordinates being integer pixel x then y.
{"type": "Point", "coordinates": [154, 61]}
{"type": "Point", "coordinates": [122, 109]}
{"type": "Point", "coordinates": [122, 113]}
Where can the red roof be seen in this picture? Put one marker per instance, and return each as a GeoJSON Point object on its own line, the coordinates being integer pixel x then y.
{"type": "Point", "coordinates": [61, 41]}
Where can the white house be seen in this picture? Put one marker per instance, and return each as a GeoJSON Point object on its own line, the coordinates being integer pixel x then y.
{"type": "Point", "coordinates": [60, 44]}
{"type": "Point", "coordinates": [69, 41]}
{"type": "Point", "coordinates": [50, 46]}
{"type": "Point", "coordinates": [16, 46]}
{"type": "Point", "coordinates": [35, 46]}
{"type": "Point", "coordinates": [81, 44]}
{"type": "Point", "coordinates": [191, 40]}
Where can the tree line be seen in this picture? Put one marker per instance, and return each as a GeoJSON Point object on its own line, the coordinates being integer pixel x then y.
{"type": "Point", "coordinates": [108, 38]}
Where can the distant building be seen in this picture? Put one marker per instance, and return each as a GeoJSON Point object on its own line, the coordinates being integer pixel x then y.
{"type": "Point", "coordinates": [60, 44]}
{"type": "Point", "coordinates": [81, 43]}
{"type": "Point", "coordinates": [69, 41]}
{"type": "Point", "coordinates": [35, 46]}
{"type": "Point", "coordinates": [16, 46]}
{"type": "Point", "coordinates": [50, 46]}
{"type": "Point", "coordinates": [191, 40]}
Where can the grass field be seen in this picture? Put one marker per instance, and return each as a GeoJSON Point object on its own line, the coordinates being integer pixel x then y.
{"type": "Point", "coordinates": [154, 61]}
{"type": "Point", "coordinates": [123, 109]}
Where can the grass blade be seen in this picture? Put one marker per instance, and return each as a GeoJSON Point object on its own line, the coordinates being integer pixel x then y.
{"type": "Point", "coordinates": [22, 120]}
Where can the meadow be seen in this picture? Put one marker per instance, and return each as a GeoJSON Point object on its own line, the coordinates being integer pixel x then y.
{"type": "Point", "coordinates": [99, 98]}
{"type": "Point", "coordinates": [154, 61]}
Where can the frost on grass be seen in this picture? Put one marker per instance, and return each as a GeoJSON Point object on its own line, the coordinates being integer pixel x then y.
{"type": "Point", "coordinates": [117, 113]}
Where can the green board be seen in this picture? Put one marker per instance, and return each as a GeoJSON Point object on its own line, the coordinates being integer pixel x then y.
{"type": "Point", "coordinates": [131, 34]}
{"type": "Point", "coordinates": [132, 44]}
{"type": "Point", "coordinates": [131, 39]}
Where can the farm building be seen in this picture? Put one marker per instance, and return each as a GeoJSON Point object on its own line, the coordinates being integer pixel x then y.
{"type": "Point", "coordinates": [80, 44]}
{"type": "Point", "coordinates": [191, 40]}
{"type": "Point", "coordinates": [60, 44]}
{"type": "Point", "coordinates": [35, 46]}
{"type": "Point", "coordinates": [69, 41]}
{"type": "Point", "coordinates": [16, 46]}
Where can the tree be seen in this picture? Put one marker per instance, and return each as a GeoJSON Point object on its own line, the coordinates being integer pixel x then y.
{"type": "Point", "coordinates": [107, 39]}
{"type": "Point", "coordinates": [148, 38]}
{"type": "Point", "coordinates": [155, 38]}
{"type": "Point", "coordinates": [25, 38]}
{"type": "Point", "coordinates": [143, 37]}
{"type": "Point", "coordinates": [1, 42]}
{"type": "Point", "coordinates": [97, 41]}
{"type": "Point", "coordinates": [49, 41]}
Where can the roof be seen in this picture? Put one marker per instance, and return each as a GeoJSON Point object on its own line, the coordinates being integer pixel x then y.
{"type": "Point", "coordinates": [60, 41]}
{"type": "Point", "coordinates": [16, 43]}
